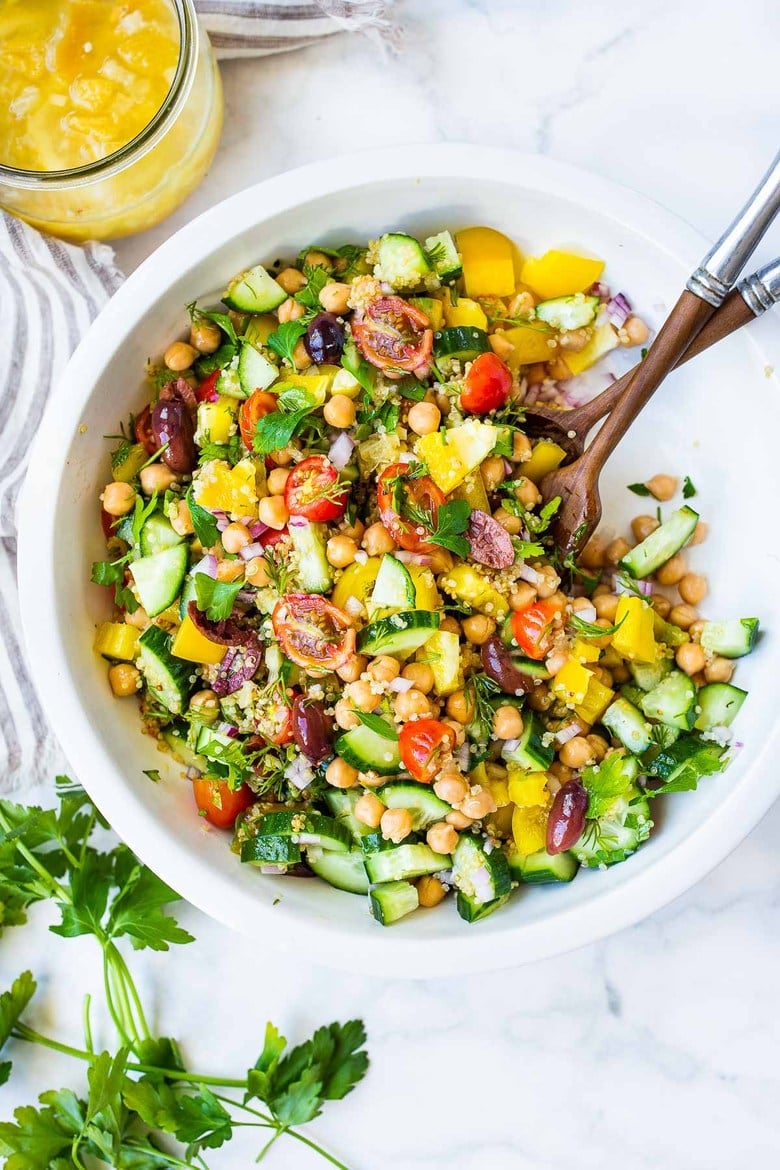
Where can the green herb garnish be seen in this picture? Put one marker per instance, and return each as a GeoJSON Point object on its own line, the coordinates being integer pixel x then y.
{"type": "Point", "coordinates": [215, 598]}
{"type": "Point", "coordinates": [204, 524]}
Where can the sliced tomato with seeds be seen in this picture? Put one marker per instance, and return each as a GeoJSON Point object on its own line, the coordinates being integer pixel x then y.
{"type": "Point", "coordinates": [220, 804]}
{"type": "Point", "coordinates": [313, 633]}
{"type": "Point", "coordinates": [393, 335]}
{"type": "Point", "coordinates": [276, 722]}
{"type": "Point", "coordinates": [272, 536]}
{"type": "Point", "coordinates": [487, 386]}
{"type": "Point", "coordinates": [207, 391]}
{"type": "Point", "coordinates": [314, 490]}
{"type": "Point", "coordinates": [143, 430]}
{"type": "Point", "coordinates": [256, 406]}
{"type": "Point", "coordinates": [425, 744]}
{"type": "Point", "coordinates": [406, 503]}
{"type": "Point", "coordinates": [532, 626]}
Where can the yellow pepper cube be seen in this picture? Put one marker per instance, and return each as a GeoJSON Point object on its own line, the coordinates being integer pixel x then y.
{"type": "Point", "coordinates": [357, 581]}
{"type": "Point", "coordinates": [260, 328]}
{"type": "Point", "coordinates": [117, 640]}
{"type": "Point", "coordinates": [193, 646]}
{"type": "Point", "coordinates": [528, 789]}
{"type": "Point", "coordinates": [488, 262]}
{"type": "Point", "coordinates": [217, 420]}
{"type": "Point", "coordinates": [227, 489]}
{"type": "Point", "coordinates": [635, 639]}
{"type": "Point", "coordinates": [546, 456]}
{"type": "Point", "coordinates": [465, 313]}
{"type": "Point", "coordinates": [597, 699]}
{"type": "Point", "coordinates": [529, 829]}
{"type": "Point", "coordinates": [585, 651]}
{"type": "Point", "coordinates": [570, 684]}
{"type": "Point", "coordinates": [472, 490]}
{"type": "Point", "coordinates": [470, 586]}
{"type": "Point", "coordinates": [530, 343]}
{"type": "Point", "coordinates": [454, 453]}
{"type": "Point", "coordinates": [442, 654]}
{"type": "Point", "coordinates": [559, 274]}
{"type": "Point", "coordinates": [604, 339]}
{"type": "Point", "coordinates": [494, 779]}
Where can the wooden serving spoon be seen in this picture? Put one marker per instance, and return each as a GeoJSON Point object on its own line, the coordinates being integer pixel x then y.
{"type": "Point", "coordinates": [577, 483]}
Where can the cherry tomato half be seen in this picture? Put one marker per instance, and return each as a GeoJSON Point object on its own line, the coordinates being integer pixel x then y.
{"type": "Point", "coordinates": [272, 536]}
{"type": "Point", "coordinates": [395, 491]}
{"type": "Point", "coordinates": [257, 406]}
{"type": "Point", "coordinates": [312, 632]}
{"type": "Point", "coordinates": [488, 384]}
{"type": "Point", "coordinates": [143, 430]}
{"type": "Point", "coordinates": [276, 722]}
{"type": "Point", "coordinates": [393, 335]}
{"type": "Point", "coordinates": [531, 628]}
{"type": "Point", "coordinates": [218, 804]}
{"type": "Point", "coordinates": [313, 490]}
{"type": "Point", "coordinates": [423, 744]}
{"type": "Point", "coordinates": [207, 391]}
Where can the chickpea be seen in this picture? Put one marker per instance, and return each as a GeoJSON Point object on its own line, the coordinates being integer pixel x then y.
{"type": "Point", "coordinates": [576, 753]}
{"type": "Point", "coordinates": [292, 280]}
{"type": "Point", "coordinates": [443, 403]}
{"type": "Point", "coordinates": [522, 596]}
{"type": "Point", "coordinates": [341, 551]}
{"type": "Point", "coordinates": [442, 838]}
{"type": "Point", "coordinates": [205, 706]}
{"type": "Point", "coordinates": [424, 418]}
{"type": "Point", "coordinates": [340, 411]}
{"type": "Point", "coordinates": [458, 819]}
{"type": "Point", "coordinates": [561, 773]}
{"type": "Point", "coordinates": [283, 457]}
{"type": "Point", "coordinates": [421, 675]}
{"type": "Point", "coordinates": [557, 660]}
{"type": "Point", "coordinates": [663, 487]}
{"type": "Point", "coordinates": [118, 498]}
{"type": "Point", "coordinates": [616, 550]}
{"type": "Point", "coordinates": [460, 707]}
{"type": "Point", "coordinates": [368, 810]}
{"type": "Point", "coordinates": [340, 774]}
{"type": "Point", "coordinates": [492, 471]}
{"type": "Point", "coordinates": [521, 304]}
{"type": "Point", "coordinates": [353, 668]}
{"type": "Point", "coordinates": [635, 331]}
{"type": "Point", "coordinates": [478, 804]}
{"type": "Point", "coordinates": [277, 481]}
{"type": "Point", "coordinates": [256, 572]}
{"type": "Point", "coordinates": [356, 529]}
{"type": "Point", "coordinates": [451, 787]}
{"type": "Point", "coordinates": [527, 492]}
{"type": "Point", "coordinates": [124, 678]}
{"type": "Point", "coordinates": [672, 571]}
{"type": "Point", "coordinates": [181, 521]}
{"type": "Point", "coordinates": [430, 891]}
{"type": "Point", "coordinates": [156, 478]}
{"type": "Point", "coordinates": [574, 341]}
{"type": "Point", "coordinates": [558, 370]}
{"type": "Point", "coordinates": [661, 605]}
{"type": "Point", "coordinates": [699, 533]}
{"type": "Point", "coordinates": [412, 704]}
{"type": "Point", "coordinates": [334, 297]}
{"type": "Point", "coordinates": [592, 556]}
{"type": "Point", "coordinates": [642, 526]}
{"type": "Point", "coordinates": [344, 714]}
{"type": "Point", "coordinates": [301, 357]}
{"type": "Point", "coordinates": [548, 585]}
{"type": "Point", "coordinates": [693, 588]}
{"type": "Point", "coordinates": [272, 511]}
{"type": "Point", "coordinates": [317, 259]}
{"type": "Point", "coordinates": [139, 619]}
{"type": "Point", "coordinates": [507, 723]}
{"type": "Point", "coordinates": [620, 673]}
{"type": "Point", "coordinates": [683, 616]}
{"type": "Point", "coordinates": [290, 310]}
{"type": "Point", "coordinates": [606, 606]}
{"type": "Point", "coordinates": [511, 524]}
{"type": "Point", "coordinates": [719, 670]}
{"type": "Point", "coordinates": [235, 537]}
{"type": "Point", "coordinates": [396, 824]}
{"type": "Point", "coordinates": [599, 746]}
{"type": "Point", "coordinates": [205, 336]}
{"type": "Point", "coordinates": [361, 696]}
{"type": "Point", "coordinates": [384, 668]}
{"type": "Point", "coordinates": [540, 698]}
{"type": "Point", "coordinates": [690, 657]}
{"type": "Point", "coordinates": [377, 540]}
{"type": "Point", "coordinates": [450, 625]}
{"type": "Point", "coordinates": [500, 345]}
{"type": "Point", "coordinates": [180, 356]}
{"type": "Point", "coordinates": [521, 447]}
{"type": "Point", "coordinates": [478, 628]}
{"type": "Point", "coordinates": [230, 570]}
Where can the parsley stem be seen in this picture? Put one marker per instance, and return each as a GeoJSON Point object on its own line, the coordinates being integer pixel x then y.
{"type": "Point", "coordinates": [115, 1010]}
{"type": "Point", "coordinates": [88, 1024]}
{"type": "Point", "coordinates": [268, 1144]}
{"type": "Point", "coordinates": [128, 984]}
{"type": "Point", "coordinates": [58, 890]}
{"type": "Point", "coordinates": [334, 1161]}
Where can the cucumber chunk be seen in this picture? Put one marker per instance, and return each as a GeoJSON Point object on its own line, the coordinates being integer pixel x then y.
{"type": "Point", "coordinates": [399, 634]}
{"type": "Point", "coordinates": [392, 901]}
{"type": "Point", "coordinates": [344, 871]}
{"type": "Point", "coordinates": [463, 342]}
{"type": "Point", "coordinates": [542, 867]}
{"type": "Point", "coordinates": [685, 762]}
{"type": "Point", "coordinates": [314, 572]}
{"type": "Point", "coordinates": [444, 256]}
{"type": "Point", "coordinates": [168, 678]}
{"type": "Point", "coordinates": [719, 705]}
{"type": "Point", "coordinates": [731, 639]}
{"type": "Point", "coordinates": [422, 802]}
{"type": "Point", "coordinates": [255, 371]}
{"type": "Point", "coordinates": [394, 587]}
{"type": "Point", "coordinates": [368, 751]}
{"type": "Point", "coordinates": [157, 534]}
{"type": "Point", "coordinates": [647, 675]}
{"type": "Point", "coordinates": [341, 804]}
{"type": "Point", "coordinates": [572, 312]}
{"type": "Point", "coordinates": [266, 849]}
{"type": "Point", "coordinates": [479, 872]}
{"type": "Point", "coordinates": [472, 910]}
{"type": "Point", "coordinates": [401, 261]}
{"type": "Point", "coordinates": [158, 578]}
{"type": "Point", "coordinates": [181, 750]}
{"type": "Point", "coordinates": [254, 291]}
{"type": "Point", "coordinates": [529, 752]}
{"type": "Point", "coordinates": [627, 724]}
{"type": "Point", "coordinates": [672, 702]}
{"type": "Point", "coordinates": [404, 861]}
{"type": "Point", "coordinates": [307, 828]}
{"type": "Point", "coordinates": [662, 544]}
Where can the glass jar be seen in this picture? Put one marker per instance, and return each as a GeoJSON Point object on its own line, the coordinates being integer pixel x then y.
{"type": "Point", "coordinates": [144, 180]}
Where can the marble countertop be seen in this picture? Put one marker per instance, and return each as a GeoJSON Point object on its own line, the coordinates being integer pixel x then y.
{"type": "Point", "coordinates": [656, 1048]}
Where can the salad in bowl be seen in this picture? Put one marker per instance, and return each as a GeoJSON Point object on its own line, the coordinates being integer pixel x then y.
{"type": "Point", "coordinates": [338, 602]}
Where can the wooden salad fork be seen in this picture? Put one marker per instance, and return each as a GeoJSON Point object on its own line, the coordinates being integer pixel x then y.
{"type": "Point", "coordinates": [577, 483]}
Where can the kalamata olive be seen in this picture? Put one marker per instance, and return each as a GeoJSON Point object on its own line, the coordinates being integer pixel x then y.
{"type": "Point", "coordinates": [172, 424]}
{"type": "Point", "coordinates": [312, 729]}
{"type": "Point", "coordinates": [324, 339]}
{"type": "Point", "coordinates": [567, 817]}
{"type": "Point", "coordinates": [497, 664]}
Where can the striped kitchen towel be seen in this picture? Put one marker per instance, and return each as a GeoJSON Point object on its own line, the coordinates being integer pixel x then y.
{"type": "Point", "coordinates": [49, 294]}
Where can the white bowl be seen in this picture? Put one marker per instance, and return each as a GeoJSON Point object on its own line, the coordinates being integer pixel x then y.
{"type": "Point", "coordinates": [716, 421]}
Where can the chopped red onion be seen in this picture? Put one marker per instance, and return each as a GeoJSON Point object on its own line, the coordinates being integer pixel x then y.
{"type": "Point", "coordinates": [412, 558]}
{"type": "Point", "coordinates": [587, 613]}
{"type": "Point", "coordinates": [508, 469]}
{"type": "Point", "coordinates": [622, 586]}
{"type": "Point", "coordinates": [341, 450]}
{"type": "Point", "coordinates": [297, 522]}
{"type": "Point", "coordinates": [257, 528]}
{"type": "Point", "coordinates": [300, 774]}
{"type": "Point", "coordinates": [207, 566]}
{"type": "Point", "coordinates": [530, 574]}
{"type": "Point", "coordinates": [600, 290]}
{"type": "Point", "coordinates": [483, 884]}
{"type": "Point", "coordinates": [618, 310]}
{"type": "Point", "coordinates": [463, 756]}
{"type": "Point", "coordinates": [193, 773]}
{"type": "Point", "coordinates": [273, 870]}
{"type": "Point", "coordinates": [250, 551]}
{"type": "Point", "coordinates": [227, 729]}
{"type": "Point", "coordinates": [353, 606]}
{"type": "Point", "coordinates": [222, 519]}
{"type": "Point", "coordinates": [568, 732]}
{"type": "Point", "coordinates": [400, 685]}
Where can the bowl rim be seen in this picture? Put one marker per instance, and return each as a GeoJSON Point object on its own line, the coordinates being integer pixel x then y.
{"type": "Point", "coordinates": [215, 893]}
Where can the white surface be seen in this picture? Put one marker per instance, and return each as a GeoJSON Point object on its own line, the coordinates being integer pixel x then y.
{"type": "Point", "coordinates": [656, 1047]}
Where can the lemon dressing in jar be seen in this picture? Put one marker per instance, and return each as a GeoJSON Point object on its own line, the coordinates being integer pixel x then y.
{"type": "Point", "coordinates": [110, 112]}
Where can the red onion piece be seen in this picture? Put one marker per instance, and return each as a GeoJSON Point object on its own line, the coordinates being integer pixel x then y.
{"type": "Point", "coordinates": [207, 566]}
{"type": "Point", "coordinates": [618, 310]}
{"type": "Point", "coordinates": [401, 685]}
{"type": "Point", "coordinates": [257, 528]}
{"type": "Point", "coordinates": [530, 574]}
{"type": "Point", "coordinates": [227, 729]}
{"type": "Point", "coordinates": [250, 551]}
{"type": "Point", "coordinates": [341, 450]}
{"type": "Point", "coordinates": [600, 290]}
{"type": "Point", "coordinates": [412, 558]}
{"type": "Point", "coordinates": [566, 733]}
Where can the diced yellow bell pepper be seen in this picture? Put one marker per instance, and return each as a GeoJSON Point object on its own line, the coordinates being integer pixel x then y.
{"type": "Point", "coordinates": [558, 274]}
{"type": "Point", "coordinates": [546, 456]}
{"type": "Point", "coordinates": [432, 307]}
{"type": "Point", "coordinates": [603, 340]}
{"type": "Point", "coordinates": [117, 640]}
{"type": "Point", "coordinates": [193, 646]}
{"type": "Point", "coordinates": [530, 343]}
{"type": "Point", "coordinates": [635, 639]}
{"type": "Point", "coordinates": [260, 328]}
{"type": "Point", "coordinates": [488, 262]}
{"type": "Point", "coordinates": [465, 313]}
{"type": "Point", "coordinates": [585, 651]}
{"type": "Point", "coordinates": [597, 699]}
{"type": "Point", "coordinates": [217, 420]}
{"type": "Point", "coordinates": [425, 591]}
{"type": "Point", "coordinates": [442, 654]}
{"type": "Point", "coordinates": [472, 490]}
{"type": "Point", "coordinates": [316, 384]}
{"type": "Point", "coordinates": [529, 829]}
{"type": "Point", "coordinates": [127, 470]}
{"type": "Point", "coordinates": [499, 823]}
{"type": "Point", "coordinates": [454, 453]}
{"type": "Point", "coordinates": [570, 684]}
{"type": "Point", "coordinates": [227, 489]}
{"type": "Point", "coordinates": [494, 779]}
{"type": "Point", "coordinates": [528, 789]}
{"type": "Point", "coordinates": [356, 581]}
{"type": "Point", "coordinates": [469, 585]}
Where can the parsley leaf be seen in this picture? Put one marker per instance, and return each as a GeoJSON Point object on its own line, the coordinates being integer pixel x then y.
{"type": "Point", "coordinates": [451, 521]}
{"type": "Point", "coordinates": [275, 430]}
{"type": "Point", "coordinates": [12, 1004]}
{"type": "Point", "coordinates": [689, 489]}
{"type": "Point", "coordinates": [296, 398]}
{"type": "Point", "coordinates": [377, 724]}
{"type": "Point", "coordinates": [204, 524]}
{"type": "Point", "coordinates": [639, 489]}
{"type": "Point", "coordinates": [525, 549]}
{"type": "Point", "coordinates": [316, 277]}
{"type": "Point", "coordinates": [231, 452]}
{"type": "Point", "coordinates": [215, 598]}
{"type": "Point", "coordinates": [220, 360]}
{"type": "Point", "coordinates": [355, 364]}
{"type": "Point", "coordinates": [284, 339]}
{"type": "Point", "coordinates": [113, 573]}
{"type": "Point", "coordinates": [221, 319]}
